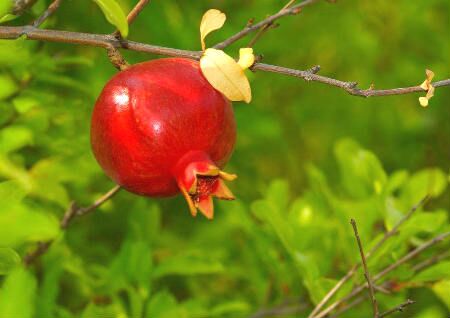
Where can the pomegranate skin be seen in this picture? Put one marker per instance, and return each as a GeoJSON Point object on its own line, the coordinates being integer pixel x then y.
{"type": "Point", "coordinates": [150, 116]}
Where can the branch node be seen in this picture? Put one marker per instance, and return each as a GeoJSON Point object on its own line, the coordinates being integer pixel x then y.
{"type": "Point", "coordinates": [116, 58]}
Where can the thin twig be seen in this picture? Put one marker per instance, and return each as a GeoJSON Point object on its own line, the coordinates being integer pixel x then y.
{"type": "Point", "coordinates": [105, 41]}
{"type": "Point", "coordinates": [72, 211]}
{"type": "Point", "coordinates": [280, 310]}
{"type": "Point", "coordinates": [398, 308]}
{"type": "Point", "coordinates": [366, 270]}
{"type": "Point", "coordinates": [267, 26]}
{"type": "Point", "coordinates": [356, 291]}
{"type": "Point", "coordinates": [136, 10]}
{"type": "Point", "coordinates": [269, 20]}
{"type": "Point", "coordinates": [431, 261]}
{"type": "Point", "coordinates": [354, 303]}
{"type": "Point", "coordinates": [47, 13]}
{"type": "Point", "coordinates": [133, 14]}
{"type": "Point", "coordinates": [352, 271]}
{"type": "Point", "coordinates": [113, 52]}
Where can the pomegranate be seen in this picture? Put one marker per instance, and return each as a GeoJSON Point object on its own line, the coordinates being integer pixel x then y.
{"type": "Point", "coordinates": [159, 128]}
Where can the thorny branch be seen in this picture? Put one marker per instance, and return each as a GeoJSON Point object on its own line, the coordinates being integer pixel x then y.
{"type": "Point", "coordinates": [366, 271]}
{"type": "Point", "coordinates": [72, 211]}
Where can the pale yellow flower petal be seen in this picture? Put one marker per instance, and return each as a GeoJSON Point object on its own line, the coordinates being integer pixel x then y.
{"type": "Point", "coordinates": [430, 74]}
{"type": "Point", "coordinates": [424, 85]}
{"type": "Point", "coordinates": [246, 58]}
{"type": "Point", "coordinates": [430, 92]}
{"type": "Point", "coordinates": [423, 101]}
{"type": "Point", "coordinates": [225, 75]}
{"type": "Point", "coordinates": [212, 20]}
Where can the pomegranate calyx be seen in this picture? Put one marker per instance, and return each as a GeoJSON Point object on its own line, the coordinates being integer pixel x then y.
{"type": "Point", "coordinates": [200, 180]}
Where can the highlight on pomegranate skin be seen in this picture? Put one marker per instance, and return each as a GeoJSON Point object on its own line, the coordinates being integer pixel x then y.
{"type": "Point", "coordinates": [159, 128]}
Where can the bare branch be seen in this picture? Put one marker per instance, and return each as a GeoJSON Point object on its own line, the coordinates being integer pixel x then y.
{"type": "Point", "coordinates": [352, 271]}
{"type": "Point", "coordinates": [431, 261]}
{"type": "Point", "coordinates": [113, 52]}
{"type": "Point", "coordinates": [47, 13]}
{"type": "Point", "coordinates": [133, 14]}
{"type": "Point", "coordinates": [105, 41]}
{"type": "Point", "coordinates": [352, 304]}
{"type": "Point", "coordinates": [72, 211]}
{"type": "Point", "coordinates": [136, 10]}
{"type": "Point", "coordinates": [349, 87]}
{"type": "Point", "coordinates": [356, 291]}
{"type": "Point", "coordinates": [366, 270]}
{"type": "Point", "coordinates": [283, 309]}
{"type": "Point", "coordinates": [398, 308]}
{"type": "Point", "coordinates": [290, 10]}
{"type": "Point", "coordinates": [266, 27]}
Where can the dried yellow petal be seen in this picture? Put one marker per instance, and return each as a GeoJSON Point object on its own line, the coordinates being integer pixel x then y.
{"type": "Point", "coordinates": [430, 74]}
{"type": "Point", "coordinates": [430, 92]}
{"type": "Point", "coordinates": [427, 86]}
{"type": "Point", "coordinates": [424, 85]}
{"type": "Point", "coordinates": [212, 20]}
{"type": "Point", "coordinates": [225, 75]}
{"type": "Point", "coordinates": [246, 58]}
{"type": "Point", "coordinates": [423, 101]}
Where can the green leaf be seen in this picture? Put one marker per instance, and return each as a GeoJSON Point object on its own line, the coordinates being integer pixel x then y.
{"type": "Point", "coordinates": [23, 104]}
{"type": "Point", "coordinates": [431, 182]}
{"type": "Point", "coordinates": [162, 305]}
{"type": "Point", "coordinates": [133, 265]}
{"type": "Point", "coordinates": [17, 296]}
{"type": "Point", "coordinates": [15, 220]}
{"type": "Point", "coordinates": [361, 172]}
{"type": "Point", "coordinates": [114, 14]}
{"type": "Point", "coordinates": [9, 259]}
{"type": "Point", "coordinates": [442, 290]}
{"type": "Point", "coordinates": [5, 7]}
{"type": "Point", "coordinates": [436, 272]}
{"type": "Point", "coordinates": [188, 264]}
{"type": "Point", "coordinates": [104, 311]}
{"type": "Point", "coordinates": [7, 17]}
{"type": "Point", "coordinates": [12, 192]}
{"type": "Point", "coordinates": [14, 137]}
{"type": "Point", "coordinates": [7, 86]}
{"type": "Point", "coordinates": [234, 308]}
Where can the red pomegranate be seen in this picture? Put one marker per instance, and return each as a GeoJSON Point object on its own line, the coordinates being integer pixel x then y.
{"type": "Point", "coordinates": [159, 127]}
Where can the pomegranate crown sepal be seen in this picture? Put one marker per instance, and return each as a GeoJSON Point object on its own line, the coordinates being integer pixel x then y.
{"type": "Point", "coordinates": [199, 179]}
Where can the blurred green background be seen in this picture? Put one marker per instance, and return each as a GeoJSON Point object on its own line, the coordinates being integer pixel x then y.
{"type": "Point", "coordinates": [309, 157]}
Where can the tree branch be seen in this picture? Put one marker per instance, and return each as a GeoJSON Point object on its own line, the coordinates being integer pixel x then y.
{"type": "Point", "coordinates": [106, 41]}
{"type": "Point", "coordinates": [366, 271]}
{"type": "Point", "coordinates": [398, 308]}
{"type": "Point", "coordinates": [114, 54]}
{"type": "Point", "coordinates": [47, 13]}
{"type": "Point", "coordinates": [72, 211]}
{"type": "Point", "coordinates": [356, 291]}
{"type": "Point", "coordinates": [266, 27]}
{"type": "Point", "coordinates": [375, 248]}
{"type": "Point", "coordinates": [290, 10]}
{"type": "Point", "coordinates": [431, 261]}
{"type": "Point", "coordinates": [136, 10]}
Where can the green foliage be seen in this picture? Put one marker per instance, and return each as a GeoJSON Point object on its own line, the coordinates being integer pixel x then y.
{"type": "Point", "coordinates": [18, 294]}
{"type": "Point", "coordinates": [114, 14]}
{"type": "Point", "coordinates": [309, 157]}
